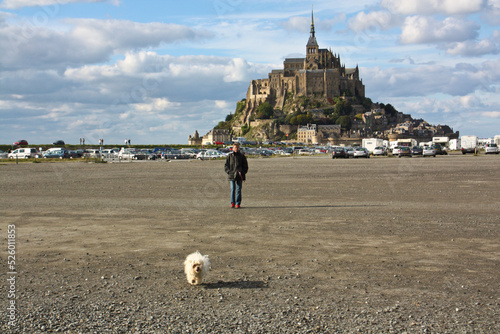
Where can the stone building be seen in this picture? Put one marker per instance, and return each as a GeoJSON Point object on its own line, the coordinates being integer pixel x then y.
{"type": "Point", "coordinates": [213, 136]}
{"type": "Point", "coordinates": [307, 133]}
{"type": "Point", "coordinates": [195, 139]}
{"type": "Point", "coordinates": [216, 136]}
{"type": "Point", "coordinates": [320, 73]}
{"type": "Point", "coordinates": [317, 134]}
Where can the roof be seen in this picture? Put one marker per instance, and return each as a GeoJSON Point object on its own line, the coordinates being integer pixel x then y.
{"type": "Point", "coordinates": [294, 60]}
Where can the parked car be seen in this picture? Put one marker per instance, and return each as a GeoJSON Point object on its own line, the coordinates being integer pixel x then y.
{"type": "Point", "coordinates": [176, 154]}
{"type": "Point", "coordinates": [110, 153]}
{"type": "Point", "coordinates": [92, 153]}
{"type": "Point", "coordinates": [350, 151]}
{"type": "Point", "coordinates": [439, 149]}
{"type": "Point", "coordinates": [142, 154]}
{"type": "Point", "coordinates": [491, 149]}
{"type": "Point", "coordinates": [404, 151]}
{"type": "Point", "coordinates": [75, 154]}
{"type": "Point", "coordinates": [3, 155]}
{"type": "Point", "coordinates": [428, 151]}
{"type": "Point", "coordinates": [286, 151]}
{"type": "Point", "coordinates": [305, 151]}
{"type": "Point", "coordinates": [379, 150]}
{"type": "Point", "coordinates": [59, 143]}
{"type": "Point", "coordinates": [339, 152]}
{"type": "Point", "coordinates": [396, 150]}
{"type": "Point", "coordinates": [21, 142]}
{"type": "Point", "coordinates": [210, 154]}
{"type": "Point", "coordinates": [190, 152]}
{"type": "Point", "coordinates": [126, 153]}
{"type": "Point", "coordinates": [417, 150]}
{"type": "Point", "coordinates": [61, 154]}
{"type": "Point", "coordinates": [361, 152]}
{"type": "Point", "coordinates": [24, 153]}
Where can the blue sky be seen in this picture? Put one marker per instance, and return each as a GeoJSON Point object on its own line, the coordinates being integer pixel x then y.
{"type": "Point", "coordinates": [156, 71]}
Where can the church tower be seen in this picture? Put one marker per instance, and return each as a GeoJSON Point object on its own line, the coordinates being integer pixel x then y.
{"type": "Point", "coordinates": [312, 49]}
{"type": "Point", "coordinates": [312, 45]}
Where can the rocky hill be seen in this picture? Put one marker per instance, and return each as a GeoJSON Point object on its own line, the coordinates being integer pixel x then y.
{"type": "Point", "coordinates": [355, 117]}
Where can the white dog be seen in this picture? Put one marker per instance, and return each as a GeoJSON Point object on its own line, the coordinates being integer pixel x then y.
{"type": "Point", "coordinates": [196, 267]}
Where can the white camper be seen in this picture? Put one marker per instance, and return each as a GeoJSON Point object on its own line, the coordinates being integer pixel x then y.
{"type": "Point", "coordinates": [497, 140]}
{"type": "Point", "coordinates": [371, 143]}
{"type": "Point", "coordinates": [469, 144]}
{"type": "Point", "coordinates": [410, 142]}
{"type": "Point", "coordinates": [454, 144]}
{"type": "Point", "coordinates": [444, 141]}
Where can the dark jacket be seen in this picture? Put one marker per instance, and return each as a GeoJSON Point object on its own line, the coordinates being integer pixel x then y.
{"type": "Point", "coordinates": [236, 165]}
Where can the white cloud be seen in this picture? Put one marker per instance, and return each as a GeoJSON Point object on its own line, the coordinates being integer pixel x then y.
{"type": "Point", "coordinates": [298, 23]}
{"type": "Point", "coordinates": [491, 114]}
{"type": "Point", "coordinates": [221, 104]}
{"type": "Point", "coordinates": [379, 20]}
{"type": "Point", "coordinates": [421, 29]}
{"type": "Point", "coordinates": [473, 48]}
{"type": "Point", "coordinates": [449, 7]}
{"type": "Point", "coordinates": [86, 41]}
{"type": "Point", "coordinates": [492, 13]}
{"type": "Point", "coordinates": [144, 90]}
{"type": "Point", "coordinates": [424, 80]}
{"type": "Point", "coordinates": [155, 105]}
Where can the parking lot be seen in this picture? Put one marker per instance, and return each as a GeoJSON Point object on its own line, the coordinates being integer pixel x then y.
{"type": "Point", "coordinates": [320, 245]}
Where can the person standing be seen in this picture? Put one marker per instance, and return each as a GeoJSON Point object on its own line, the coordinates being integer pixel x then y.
{"type": "Point", "coordinates": [236, 168]}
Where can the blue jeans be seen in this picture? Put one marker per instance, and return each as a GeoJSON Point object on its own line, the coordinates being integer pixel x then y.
{"type": "Point", "coordinates": [236, 191]}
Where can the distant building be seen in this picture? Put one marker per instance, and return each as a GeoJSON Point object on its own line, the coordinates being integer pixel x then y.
{"type": "Point", "coordinates": [216, 136]}
{"type": "Point", "coordinates": [320, 73]}
{"type": "Point", "coordinates": [195, 139]}
{"type": "Point", "coordinates": [307, 133]}
{"type": "Point", "coordinates": [317, 134]}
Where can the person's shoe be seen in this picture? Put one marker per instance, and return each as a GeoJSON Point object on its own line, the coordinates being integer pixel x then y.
{"type": "Point", "coordinates": [232, 205]}
{"type": "Point", "coordinates": [237, 206]}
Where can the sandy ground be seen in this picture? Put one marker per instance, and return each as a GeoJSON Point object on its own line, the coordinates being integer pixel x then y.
{"type": "Point", "coordinates": [320, 245]}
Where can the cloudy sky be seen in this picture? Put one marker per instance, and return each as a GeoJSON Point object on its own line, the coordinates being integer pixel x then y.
{"type": "Point", "coordinates": [156, 71]}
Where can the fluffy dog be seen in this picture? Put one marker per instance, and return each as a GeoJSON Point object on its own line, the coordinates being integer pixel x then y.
{"type": "Point", "coordinates": [196, 267]}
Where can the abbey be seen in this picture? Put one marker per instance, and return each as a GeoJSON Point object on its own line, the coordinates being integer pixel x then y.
{"type": "Point", "coordinates": [320, 73]}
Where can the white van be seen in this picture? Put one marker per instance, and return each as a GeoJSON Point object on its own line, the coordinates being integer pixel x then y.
{"type": "Point", "coordinates": [24, 153]}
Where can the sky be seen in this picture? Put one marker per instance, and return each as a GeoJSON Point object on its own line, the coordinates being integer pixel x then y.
{"type": "Point", "coordinates": [156, 71]}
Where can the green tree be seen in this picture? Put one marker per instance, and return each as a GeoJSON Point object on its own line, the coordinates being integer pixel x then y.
{"type": "Point", "coordinates": [240, 106]}
{"type": "Point", "coordinates": [303, 119]}
{"type": "Point", "coordinates": [367, 103]}
{"type": "Point", "coordinates": [244, 129]}
{"type": "Point", "coordinates": [264, 111]}
{"type": "Point", "coordinates": [345, 122]}
{"type": "Point", "coordinates": [389, 109]}
{"type": "Point", "coordinates": [223, 125]}
{"type": "Point", "coordinates": [343, 107]}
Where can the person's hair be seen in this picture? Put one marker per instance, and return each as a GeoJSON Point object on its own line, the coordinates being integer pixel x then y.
{"type": "Point", "coordinates": [236, 144]}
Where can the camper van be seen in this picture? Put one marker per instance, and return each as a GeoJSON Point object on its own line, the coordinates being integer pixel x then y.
{"type": "Point", "coordinates": [371, 143]}
{"type": "Point", "coordinates": [469, 144]}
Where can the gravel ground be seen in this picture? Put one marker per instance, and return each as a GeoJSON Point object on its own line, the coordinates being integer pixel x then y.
{"type": "Point", "coordinates": [380, 245]}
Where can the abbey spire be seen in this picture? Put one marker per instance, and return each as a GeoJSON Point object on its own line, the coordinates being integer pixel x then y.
{"type": "Point", "coordinates": [312, 44]}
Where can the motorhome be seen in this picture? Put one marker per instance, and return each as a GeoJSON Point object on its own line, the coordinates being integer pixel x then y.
{"type": "Point", "coordinates": [469, 144]}
{"type": "Point", "coordinates": [444, 141]}
{"type": "Point", "coordinates": [371, 143]}
{"type": "Point", "coordinates": [454, 144]}
{"type": "Point", "coordinates": [410, 142]}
